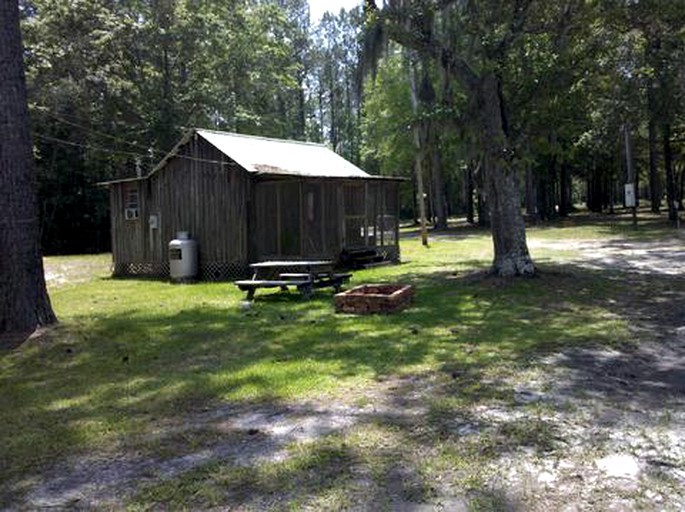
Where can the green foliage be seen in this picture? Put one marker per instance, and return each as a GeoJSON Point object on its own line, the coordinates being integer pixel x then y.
{"type": "Point", "coordinates": [572, 75]}
{"type": "Point", "coordinates": [333, 83]}
{"type": "Point", "coordinates": [112, 86]}
{"type": "Point", "coordinates": [112, 83]}
{"type": "Point", "coordinates": [387, 120]}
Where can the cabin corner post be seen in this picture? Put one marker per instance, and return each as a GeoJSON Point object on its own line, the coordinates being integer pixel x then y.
{"type": "Point", "coordinates": [112, 236]}
{"type": "Point", "coordinates": [397, 221]}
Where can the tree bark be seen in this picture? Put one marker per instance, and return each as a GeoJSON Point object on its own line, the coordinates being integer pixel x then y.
{"type": "Point", "coordinates": [652, 49]}
{"type": "Point", "coordinates": [531, 203]}
{"type": "Point", "coordinates": [420, 144]}
{"type": "Point", "coordinates": [565, 190]}
{"type": "Point", "coordinates": [595, 189]}
{"type": "Point", "coordinates": [438, 184]}
{"type": "Point", "coordinates": [671, 192]}
{"type": "Point", "coordinates": [681, 191]}
{"type": "Point", "coordinates": [654, 186]}
{"type": "Point", "coordinates": [427, 99]}
{"type": "Point", "coordinates": [501, 185]}
{"type": "Point", "coordinates": [468, 193]}
{"type": "Point", "coordinates": [24, 302]}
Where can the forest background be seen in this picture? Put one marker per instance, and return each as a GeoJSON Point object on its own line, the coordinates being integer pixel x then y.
{"type": "Point", "coordinates": [585, 88]}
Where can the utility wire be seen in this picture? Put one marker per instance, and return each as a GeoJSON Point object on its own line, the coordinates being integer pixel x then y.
{"type": "Point", "coordinates": [86, 146]}
{"type": "Point", "coordinates": [90, 131]}
{"type": "Point", "coordinates": [44, 110]}
{"type": "Point", "coordinates": [118, 151]}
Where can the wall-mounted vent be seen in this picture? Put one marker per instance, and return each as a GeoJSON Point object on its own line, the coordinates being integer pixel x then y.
{"type": "Point", "coordinates": [131, 213]}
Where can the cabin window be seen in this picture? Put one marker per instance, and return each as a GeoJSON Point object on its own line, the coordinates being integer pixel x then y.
{"type": "Point", "coordinates": [131, 201]}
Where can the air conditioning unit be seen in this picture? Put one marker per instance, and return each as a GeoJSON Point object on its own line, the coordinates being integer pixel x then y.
{"type": "Point", "coordinates": [131, 213]}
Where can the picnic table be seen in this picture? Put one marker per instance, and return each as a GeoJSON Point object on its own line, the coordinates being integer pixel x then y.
{"type": "Point", "coordinates": [303, 275]}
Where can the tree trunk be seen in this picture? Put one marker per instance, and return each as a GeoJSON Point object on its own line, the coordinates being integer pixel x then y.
{"type": "Point", "coordinates": [501, 185]}
{"type": "Point", "coordinates": [424, 105]}
{"type": "Point", "coordinates": [419, 143]}
{"type": "Point", "coordinates": [654, 186]}
{"type": "Point", "coordinates": [631, 175]}
{"type": "Point", "coordinates": [420, 200]}
{"type": "Point", "coordinates": [531, 203]}
{"type": "Point", "coordinates": [681, 191]}
{"type": "Point", "coordinates": [482, 209]}
{"type": "Point", "coordinates": [468, 193]}
{"type": "Point", "coordinates": [301, 125]}
{"type": "Point", "coordinates": [565, 190]}
{"type": "Point", "coordinates": [427, 99]}
{"type": "Point", "coordinates": [24, 302]}
{"type": "Point", "coordinates": [610, 187]}
{"type": "Point", "coordinates": [595, 190]}
{"type": "Point", "coordinates": [438, 184]}
{"type": "Point", "coordinates": [652, 113]}
{"type": "Point", "coordinates": [671, 192]}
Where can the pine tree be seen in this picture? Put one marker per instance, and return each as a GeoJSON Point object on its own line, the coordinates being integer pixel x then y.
{"type": "Point", "coordinates": [24, 302]}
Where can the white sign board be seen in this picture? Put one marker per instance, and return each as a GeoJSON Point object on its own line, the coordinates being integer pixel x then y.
{"type": "Point", "coordinates": [630, 195]}
{"type": "Point", "coordinates": [154, 222]}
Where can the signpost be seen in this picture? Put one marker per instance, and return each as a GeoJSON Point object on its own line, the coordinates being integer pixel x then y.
{"type": "Point", "coordinates": [630, 197]}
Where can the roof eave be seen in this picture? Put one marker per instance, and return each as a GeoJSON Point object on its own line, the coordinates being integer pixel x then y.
{"type": "Point", "coordinates": [187, 135]}
{"type": "Point", "coordinates": [117, 182]}
{"type": "Point", "coordinates": [369, 177]}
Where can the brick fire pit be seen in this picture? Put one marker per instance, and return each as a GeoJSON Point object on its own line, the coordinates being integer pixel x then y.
{"type": "Point", "coordinates": [374, 298]}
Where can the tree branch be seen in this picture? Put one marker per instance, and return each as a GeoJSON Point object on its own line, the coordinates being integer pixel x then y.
{"type": "Point", "coordinates": [410, 32]}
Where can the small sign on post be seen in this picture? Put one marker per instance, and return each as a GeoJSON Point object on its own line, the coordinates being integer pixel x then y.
{"type": "Point", "coordinates": [630, 195]}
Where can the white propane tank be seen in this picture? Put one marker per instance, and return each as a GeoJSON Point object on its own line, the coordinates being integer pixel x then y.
{"type": "Point", "coordinates": [182, 258]}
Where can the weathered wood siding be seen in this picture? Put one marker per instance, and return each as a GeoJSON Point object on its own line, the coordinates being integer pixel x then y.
{"type": "Point", "coordinates": [238, 219]}
{"type": "Point", "coordinates": [199, 191]}
{"type": "Point", "coordinates": [127, 235]}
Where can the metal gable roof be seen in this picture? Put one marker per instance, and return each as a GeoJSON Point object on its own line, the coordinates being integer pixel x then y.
{"type": "Point", "coordinates": [263, 156]}
{"type": "Point", "coordinates": [273, 156]}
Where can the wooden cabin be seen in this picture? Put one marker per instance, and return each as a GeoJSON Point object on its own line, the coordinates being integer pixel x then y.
{"type": "Point", "coordinates": [247, 199]}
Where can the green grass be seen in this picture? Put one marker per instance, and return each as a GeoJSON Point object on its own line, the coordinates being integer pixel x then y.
{"type": "Point", "coordinates": [130, 354]}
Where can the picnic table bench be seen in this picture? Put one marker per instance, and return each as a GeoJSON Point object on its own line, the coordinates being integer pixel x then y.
{"type": "Point", "coordinates": [278, 274]}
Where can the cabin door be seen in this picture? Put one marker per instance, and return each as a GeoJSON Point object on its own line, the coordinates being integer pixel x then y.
{"type": "Point", "coordinates": [356, 229]}
{"type": "Point", "coordinates": [277, 224]}
{"type": "Point", "coordinates": [313, 219]}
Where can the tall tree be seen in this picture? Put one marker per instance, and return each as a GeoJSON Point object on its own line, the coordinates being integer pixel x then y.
{"type": "Point", "coordinates": [411, 23]}
{"type": "Point", "coordinates": [24, 303]}
{"type": "Point", "coordinates": [333, 82]}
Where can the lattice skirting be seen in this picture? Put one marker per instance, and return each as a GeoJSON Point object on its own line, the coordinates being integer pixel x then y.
{"type": "Point", "coordinates": [209, 271]}
{"type": "Point", "coordinates": [158, 270]}
{"type": "Point", "coordinates": [214, 270]}
{"type": "Point", "coordinates": [220, 271]}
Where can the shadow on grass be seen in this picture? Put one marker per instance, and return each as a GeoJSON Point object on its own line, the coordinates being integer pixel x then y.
{"type": "Point", "coordinates": [329, 473]}
{"type": "Point", "coordinates": [620, 223]}
{"type": "Point", "coordinates": [649, 225]}
{"type": "Point", "coordinates": [649, 367]}
{"type": "Point", "coordinates": [113, 376]}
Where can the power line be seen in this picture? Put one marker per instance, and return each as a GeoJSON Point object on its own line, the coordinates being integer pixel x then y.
{"type": "Point", "coordinates": [86, 146]}
{"type": "Point", "coordinates": [149, 151]}
{"type": "Point", "coordinates": [118, 151]}
{"type": "Point", "coordinates": [45, 111]}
